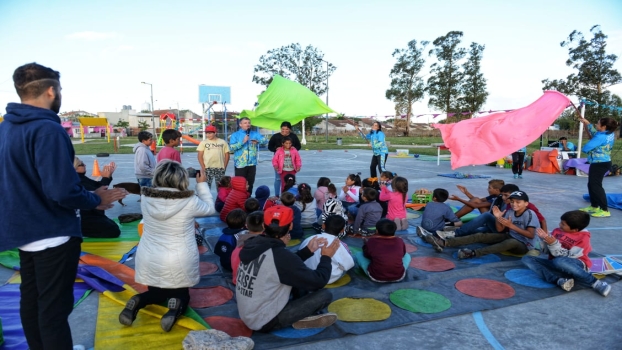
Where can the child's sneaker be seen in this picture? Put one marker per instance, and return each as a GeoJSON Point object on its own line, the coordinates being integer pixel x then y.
{"type": "Point", "coordinates": [446, 234]}
{"type": "Point", "coordinates": [316, 321]}
{"type": "Point", "coordinates": [601, 213]}
{"type": "Point", "coordinates": [590, 209]}
{"type": "Point", "coordinates": [565, 284]}
{"type": "Point", "coordinates": [128, 315]}
{"type": "Point", "coordinates": [516, 176]}
{"type": "Point", "coordinates": [602, 288]}
{"type": "Point", "coordinates": [520, 176]}
{"type": "Point", "coordinates": [466, 253]}
{"type": "Point", "coordinates": [173, 313]}
{"type": "Point", "coordinates": [421, 232]}
{"type": "Point", "coordinates": [436, 242]}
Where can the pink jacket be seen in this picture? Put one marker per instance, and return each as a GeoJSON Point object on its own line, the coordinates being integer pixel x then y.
{"type": "Point", "coordinates": [279, 157]}
{"type": "Point", "coordinates": [396, 203]}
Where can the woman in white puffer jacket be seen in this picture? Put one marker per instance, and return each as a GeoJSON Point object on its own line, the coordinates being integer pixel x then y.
{"type": "Point", "coordinates": [167, 259]}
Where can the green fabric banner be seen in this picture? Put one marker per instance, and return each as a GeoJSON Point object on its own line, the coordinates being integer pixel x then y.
{"type": "Point", "coordinates": [285, 100]}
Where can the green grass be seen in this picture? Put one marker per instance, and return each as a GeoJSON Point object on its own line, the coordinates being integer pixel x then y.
{"type": "Point", "coordinates": [319, 143]}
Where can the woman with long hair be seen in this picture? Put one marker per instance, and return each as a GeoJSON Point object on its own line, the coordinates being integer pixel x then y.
{"type": "Point", "coordinates": [378, 145]}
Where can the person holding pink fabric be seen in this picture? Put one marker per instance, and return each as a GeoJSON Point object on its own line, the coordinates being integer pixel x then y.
{"type": "Point", "coordinates": [396, 201]}
{"type": "Point", "coordinates": [286, 160]}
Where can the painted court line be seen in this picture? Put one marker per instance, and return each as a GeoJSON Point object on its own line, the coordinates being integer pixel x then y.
{"type": "Point", "coordinates": [479, 321]}
{"type": "Point", "coordinates": [604, 228]}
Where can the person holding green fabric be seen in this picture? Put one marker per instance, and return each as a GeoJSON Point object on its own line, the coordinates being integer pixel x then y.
{"type": "Point", "coordinates": [379, 147]}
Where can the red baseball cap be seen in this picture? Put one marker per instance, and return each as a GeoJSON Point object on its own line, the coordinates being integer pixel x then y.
{"type": "Point", "coordinates": [280, 213]}
{"type": "Point", "coordinates": [210, 128]}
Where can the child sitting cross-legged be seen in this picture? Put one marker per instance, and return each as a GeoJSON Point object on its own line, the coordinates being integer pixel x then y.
{"type": "Point", "coordinates": [368, 214]}
{"type": "Point", "coordinates": [384, 257]}
{"type": "Point", "coordinates": [251, 205]}
{"type": "Point", "coordinates": [569, 246]}
{"type": "Point", "coordinates": [333, 228]}
{"type": "Point", "coordinates": [520, 238]}
{"type": "Point", "coordinates": [436, 213]}
{"type": "Point", "coordinates": [236, 198]}
{"type": "Point", "coordinates": [289, 200]}
{"type": "Point", "coordinates": [229, 238]}
{"type": "Point", "coordinates": [254, 226]}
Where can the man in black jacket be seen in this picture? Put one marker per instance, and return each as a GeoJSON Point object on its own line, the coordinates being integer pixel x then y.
{"type": "Point", "coordinates": [275, 142]}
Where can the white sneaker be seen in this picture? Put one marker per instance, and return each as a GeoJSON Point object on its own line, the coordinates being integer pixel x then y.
{"type": "Point", "coordinates": [446, 234]}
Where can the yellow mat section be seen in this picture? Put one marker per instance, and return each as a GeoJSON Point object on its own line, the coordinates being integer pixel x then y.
{"type": "Point", "coordinates": [110, 250]}
{"type": "Point", "coordinates": [360, 310]}
{"type": "Point", "coordinates": [145, 332]}
{"type": "Point", "coordinates": [345, 279]}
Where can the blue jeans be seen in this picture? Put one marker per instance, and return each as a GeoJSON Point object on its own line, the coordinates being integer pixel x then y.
{"type": "Point", "coordinates": [559, 267]}
{"type": "Point", "coordinates": [487, 221]}
{"type": "Point", "coordinates": [363, 262]}
{"type": "Point", "coordinates": [144, 182]}
{"type": "Point", "coordinates": [277, 184]}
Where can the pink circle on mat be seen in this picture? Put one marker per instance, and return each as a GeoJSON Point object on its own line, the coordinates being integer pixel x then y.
{"type": "Point", "coordinates": [431, 264]}
{"type": "Point", "coordinates": [206, 268]}
{"type": "Point", "coordinates": [410, 248]}
{"type": "Point", "coordinates": [202, 249]}
{"type": "Point", "coordinates": [209, 296]}
{"type": "Point", "coordinates": [232, 326]}
{"type": "Point", "coordinates": [485, 289]}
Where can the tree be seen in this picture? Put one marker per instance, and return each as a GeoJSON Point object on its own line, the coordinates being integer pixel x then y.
{"type": "Point", "coordinates": [473, 90]}
{"type": "Point", "coordinates": [445, 83]}
{"type": "Point", "coordinates": [307, 67]}
{"type": "Point", "coordinates": [407, 87]}
{"type": "Point", "coordinates": [143, 125]}
{"type": "Point", "coordinates": [122, 124]}
{"type": "Point", "coordinates": [595, 72]}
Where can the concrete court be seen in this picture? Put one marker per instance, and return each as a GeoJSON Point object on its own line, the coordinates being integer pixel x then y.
{"type": "Point", "coordinates": [577, 320]}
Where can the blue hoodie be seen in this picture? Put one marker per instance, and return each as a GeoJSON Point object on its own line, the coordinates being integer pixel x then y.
{"type": "Point", "coordinates": [41, 191]}
{"type": "Point", "coordinates": [599, 148]}
{"type": "Point", "coordinates": [378, 144]}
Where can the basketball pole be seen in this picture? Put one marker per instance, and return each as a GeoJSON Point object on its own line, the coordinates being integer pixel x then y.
{"type": "Point", "coordinates": [224, 105]}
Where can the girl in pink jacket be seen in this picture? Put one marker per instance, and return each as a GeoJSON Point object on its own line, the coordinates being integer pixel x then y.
{"type": "Point", "coordinates": [286, 160]}
{"type": "Point", "coordinates": [397, 201]}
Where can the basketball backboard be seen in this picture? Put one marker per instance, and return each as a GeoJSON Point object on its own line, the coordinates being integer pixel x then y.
{"type": "Point", "coordinates": [219, 94]}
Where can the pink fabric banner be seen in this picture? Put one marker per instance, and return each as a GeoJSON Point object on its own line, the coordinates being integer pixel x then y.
{"type": "Point", "coordinates": [487, 139]}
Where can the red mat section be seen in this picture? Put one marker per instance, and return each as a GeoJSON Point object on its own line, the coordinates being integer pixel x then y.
{"type": "Point", "coordinates": [232, 326]}
{"type": "Point", "coordinates": [209, 296]}
{"type": "Point", "coordinates": [431, 264]}
{"type": "Point", "coordinates": [485, 289]}
{"type": "Point", "coordinates": [410, 248]}
{"type": "Point", "coordinates": [206, 268]}
{"type": "Point", "coordinates": [203, 249]}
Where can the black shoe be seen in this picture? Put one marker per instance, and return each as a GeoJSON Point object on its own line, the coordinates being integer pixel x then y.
{"type": "Point", "coordinates": [128, 315]}
{"type": "Point", "coordinates": [170, 317]}
{"type": "Point", "coordinates": [436, 242]}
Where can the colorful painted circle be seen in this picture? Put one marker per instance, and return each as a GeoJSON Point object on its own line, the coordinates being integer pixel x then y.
{"type": "Point", "coordinates": [360, 309]}
{"type": "Point", "coordinates": [422, 301]}
{"type": "Point", "coordinates": [206, 268]}
{"type": "Point", "coordinates": [526, 277]}
{"type": "Point", "coordinates": [209, 296]}
{"type": "Point", "coordinates": [485, 288]}
{"type": "Point", "coordinates": [410, 248]}
{"type": "Point", "coordinates": [291, 333]}
{"type": "Point", "coordinates": [484, 259]}
{"type": "Point", "coordinates": [345, 279]}
{"type": "Point", "coordinates": [431, 264]}
{"type": "Point", "coordinates": [232, 326]}
{"type": "Point", "coordinates": [422, 243]}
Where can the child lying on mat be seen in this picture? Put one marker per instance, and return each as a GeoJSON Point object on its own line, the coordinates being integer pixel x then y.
{"type": "Point", "coordinates": [333, 228]}
{"type": "Point", "coordinates": [569, 246]}
{"type": "Point", "coordinates": [384, 257]}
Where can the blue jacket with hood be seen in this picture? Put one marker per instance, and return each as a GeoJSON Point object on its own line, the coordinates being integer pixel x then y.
{"type": "Point", "coordinates": [599, 148]}
{"type": "Point", "coordinates": [41, 191]}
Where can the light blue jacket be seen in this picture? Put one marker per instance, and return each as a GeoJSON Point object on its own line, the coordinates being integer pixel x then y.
{"type": "Point", "coordinates": [524, 150]}
{"type": "Point", "coordinates": [599, 148]}
{"type": "Point", "coordinates": [245, 154]}
{"type": "Point", "coordinates": [378, 145]}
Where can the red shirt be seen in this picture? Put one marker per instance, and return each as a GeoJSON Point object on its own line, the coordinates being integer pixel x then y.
{"type": "Point", "coordinates": [386, 258]}
{"type": "Point", "coordinates": [579, 239]}
{"type": "Point", "coordinates": [169, 153]}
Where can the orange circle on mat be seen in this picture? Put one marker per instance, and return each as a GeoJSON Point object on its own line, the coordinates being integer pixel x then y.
{"type": "Point", "coordinates": [209, 296]}
{"type": "Point", "coordinates": [206, 268]}
{"type": "Point", "coordinates": [232, 326]}
{"type": "Point", "coordinates": [410, 248]}
{"type": "Point", "coordinates": [431, 264]}
{"type": "Point", "coordinates": [485, 289]}
{"type": "Point", "coordinates": [202, 249]}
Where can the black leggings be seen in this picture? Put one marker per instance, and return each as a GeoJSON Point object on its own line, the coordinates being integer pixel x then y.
{"type": "Point", "coordinates": [598, 197]}
{"type": "Point", "coordinates": [518, 160]}
{"type": "Point", "coordinates": [157, 295]}
{"type": "Point", "coordinates": [377, 161]}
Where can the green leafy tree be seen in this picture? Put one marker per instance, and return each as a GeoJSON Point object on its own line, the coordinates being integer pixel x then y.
{"type": "Point", "coordinates": [143, 125]}
{"type": "Point", "coordinates": [594, 71]}
{"type": "Point", "coordinates": [122, 123]}
{"type": "Point", "coordinates": [474, 92]}
{"type": "Point", "coordinates": [407, 86]}
{"type": "Point", "coordinates": [445, 82]}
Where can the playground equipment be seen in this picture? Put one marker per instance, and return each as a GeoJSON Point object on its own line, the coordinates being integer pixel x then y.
{"type": "Point", "coordinates": [212, 95]}
{"type": "Point", "coordinates": [94, 121]}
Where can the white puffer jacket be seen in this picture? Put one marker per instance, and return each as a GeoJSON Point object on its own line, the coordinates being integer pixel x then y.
{"type": "Point", "coordinates": [167, 256]}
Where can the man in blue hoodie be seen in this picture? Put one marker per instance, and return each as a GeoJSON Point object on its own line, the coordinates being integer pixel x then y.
{"type": "Point", "coordinates": [40, 205]}
{"type": "Point", "coordinates": [244, 144]}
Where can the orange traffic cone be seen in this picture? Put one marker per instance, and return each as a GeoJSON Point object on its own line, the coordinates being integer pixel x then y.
{"type": "Point", "coordinates": [96, 172]}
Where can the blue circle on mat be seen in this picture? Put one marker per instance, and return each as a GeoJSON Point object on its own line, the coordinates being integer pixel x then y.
{"type": "Point", "coordinates": [422, 243]}
{"type": "Point", "coordinates": [292, 333]}
{"type": "Point", "coordinates": [486, 259]}
{"type": "Point", "coordinates": [526, 277]}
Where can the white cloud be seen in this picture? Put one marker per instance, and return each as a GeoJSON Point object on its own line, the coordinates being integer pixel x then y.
{"type": "Point", "coordinates": [89, 36]}
{"type": "Point", "coordinates": [125, 48]}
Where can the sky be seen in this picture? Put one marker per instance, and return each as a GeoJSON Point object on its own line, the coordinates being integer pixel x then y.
{"type": "Point", "coordinates": [105, 49]}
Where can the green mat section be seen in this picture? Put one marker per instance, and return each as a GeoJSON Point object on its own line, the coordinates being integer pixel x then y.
{"type": "Point", "coordinates": [10, 258]}
{"type": "Point", "coordinates": [129, 233]}
{"type": "Point", "coordinates": [417, 300]}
